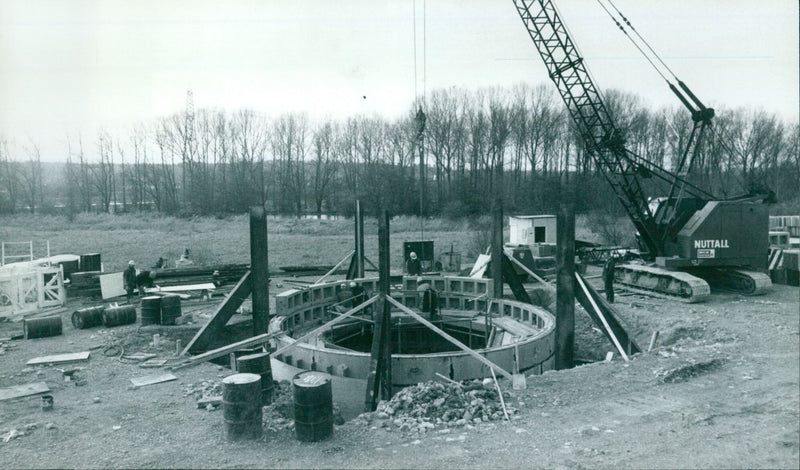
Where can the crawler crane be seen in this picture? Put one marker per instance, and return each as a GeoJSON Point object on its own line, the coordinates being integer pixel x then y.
{"type": "Point", "coordinates": [691, 238]}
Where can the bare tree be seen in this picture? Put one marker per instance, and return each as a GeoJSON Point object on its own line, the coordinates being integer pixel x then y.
{"type": "Point", "coordinates": [31, 178]}
{"type": "Point", "coordinates": [325, 164]}
{"type": "Point", "coordinates": [289, 149]}
{"type": "Point", "coordinates": [9, 180]}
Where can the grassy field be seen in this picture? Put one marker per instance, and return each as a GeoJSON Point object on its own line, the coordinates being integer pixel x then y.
{"type": "Point", "coordinates": [292, 241]}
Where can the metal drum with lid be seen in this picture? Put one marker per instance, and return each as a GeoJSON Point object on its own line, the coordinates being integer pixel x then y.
{"type": "Point", "coordinates": [313, 406]}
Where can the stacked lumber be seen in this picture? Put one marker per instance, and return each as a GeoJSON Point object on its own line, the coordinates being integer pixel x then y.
{"type": "Point", "coordinates": [226, 274]}
{"type": "Point", "coordinates": [84, 284]}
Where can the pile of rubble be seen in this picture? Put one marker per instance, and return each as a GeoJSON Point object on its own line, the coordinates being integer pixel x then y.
{"type": "Point", "coordinates": [430, 405]}
{"type": "Point", "coordinates": [205, 390]}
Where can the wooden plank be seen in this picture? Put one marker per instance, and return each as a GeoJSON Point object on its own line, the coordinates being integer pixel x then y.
{"type": "Point", "coordinates": [324, 327]}
{"type": "Point", "coordinates": [589, 299]}
{"type": "Point", "coordinates": [530, 273]}
{"type": "Point", "coordinates": [152, 379]}
{"type": "Point", "coordinates": [511, 278]}
{"type": "Point", "coordinates": [153, 363]}
{"type": "Point", "coordinates": [514, 327]}
{"type": "Point", "coordinates": [446, 336]}
{"type": "Point", "coordinates": [221, 316]}
{"type": "Point", "coordinates": [182, 288]}
{"type": "Point", "coordinates": [60, 358]}
{"type": "Point", "coordinates": [223, 351]}
{"type": "Point", "coordinates": [24, 390]}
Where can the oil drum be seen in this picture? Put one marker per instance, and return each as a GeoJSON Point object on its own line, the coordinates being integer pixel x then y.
{"type": "Point", "coordinates": [241, 406]}
{"type": "Point", "coordinates": [151, 310]}
{"type": "Point", "coordinates": [170, 309]}
{"type": "Point", "coordinates": [313, 406]}
{"type": "Point", "coordinates": [87, 317]}
{"type": "Point", "coordinates": [42, 327]}
{"type": "Point", "coordinates": [90, 262]}
{"type": "Point", "coordinates": [122, 315]}
{"type": "Point", "coordinates": [258, 364]}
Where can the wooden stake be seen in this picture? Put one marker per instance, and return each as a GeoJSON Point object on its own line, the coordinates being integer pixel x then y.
{"type": "Point", "coordinates": [500, 393]}
{"type": "Point", "coordinates": [653, 340]}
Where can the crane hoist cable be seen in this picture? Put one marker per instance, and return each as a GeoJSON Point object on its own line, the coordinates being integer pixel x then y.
{"type": "Point", "coordinates": [625, 32]}
{"type": "Point", "coordinates": [630, 25]}
{"type": "Point", "coordinates": [703, 113]}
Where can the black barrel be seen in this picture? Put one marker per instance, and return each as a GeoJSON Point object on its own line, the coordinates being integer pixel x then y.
{"type": "Point", "coordinates": [88, 317]}
{"type": "Point", "coordinates": [122, 315]}
{"type": "Point", "coordinates": [90, 262]}
{"type": "Point", "coordinates": [42, 327]}
{"type": "Point", "coordinates": [241, 406]}
{"type": "Point", "coordinates": [70, 267]}
{"type": "Point", "coordinates": [170, 309]}
{"type": "Point", "coordinates": [151, 310]}
{"type": "Point", "coordinates": [258, 364]}
{"type": "Point", "coordinates": [313, 406]}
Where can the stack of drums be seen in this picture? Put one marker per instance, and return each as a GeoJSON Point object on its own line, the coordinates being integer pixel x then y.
{"type": "Point", "coordinates": [241, 406]}
{"type": "Point", "coordinates": [313, 406]}
{"type": "Point", "coordinates": [90, 262]}
{"type": "Point", "coordinates": [258, 364]}
{"type": "Point", "coordinates": [87, 317]}
{"type": "Point", "coordinates": [42, 327]}
{"type": "Point", "coordinates": [170, 309]}
{"type": "Point", "coordinates": [116, 316]}
{"type": "Point", "coordinates": [151, 310]}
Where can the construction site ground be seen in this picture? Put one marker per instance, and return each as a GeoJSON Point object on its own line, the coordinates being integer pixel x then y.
{"type": "Point", "coordinates": [721, 389]}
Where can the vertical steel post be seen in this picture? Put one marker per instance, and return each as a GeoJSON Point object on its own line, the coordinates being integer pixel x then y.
{"type": "Point", "coordinates": [497, 248]}
{"type": "Point", "coordinates": [385, 310]}
{"type": "Point", "coordinates": [565, 283]}
{"type": "Point", "coordinates": [359, 238]}
{"type": "Point", "coordinates": [379, 376]}
{"type": "Point", "coordinates": [259, 267]}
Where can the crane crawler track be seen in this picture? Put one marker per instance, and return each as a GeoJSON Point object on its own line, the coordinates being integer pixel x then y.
{"type": "Point", "coordinates": [660, 282]}
{"type": "Point", "coordinates": [737, 280]}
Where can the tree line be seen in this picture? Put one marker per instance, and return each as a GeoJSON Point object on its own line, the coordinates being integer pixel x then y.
{"type": "Point", "coordinates": [465, 147]}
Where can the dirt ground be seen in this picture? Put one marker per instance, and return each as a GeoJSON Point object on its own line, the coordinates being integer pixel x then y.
{"type": "Point", "coordinates": [721, 389]}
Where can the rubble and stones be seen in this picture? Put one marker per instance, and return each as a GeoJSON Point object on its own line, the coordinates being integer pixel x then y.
{"type": "Point", "coordinates": [430, 405]}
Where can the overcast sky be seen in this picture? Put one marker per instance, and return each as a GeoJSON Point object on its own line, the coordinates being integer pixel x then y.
{"type": "Point", "coordinates": [75, 67]}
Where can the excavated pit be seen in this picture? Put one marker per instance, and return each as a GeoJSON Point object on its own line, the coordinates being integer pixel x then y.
{"type": "Point", "coordinates": [515, 336]}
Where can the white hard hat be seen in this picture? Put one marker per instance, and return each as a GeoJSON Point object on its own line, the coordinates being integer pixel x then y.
{"type": "Point", "coordinates": [413, 255]}
{"type": "Point", "coordinates": [131, 263]}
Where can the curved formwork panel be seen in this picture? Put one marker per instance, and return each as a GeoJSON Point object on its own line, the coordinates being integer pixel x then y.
{"type": "Point", "coordinates": [300, 310]}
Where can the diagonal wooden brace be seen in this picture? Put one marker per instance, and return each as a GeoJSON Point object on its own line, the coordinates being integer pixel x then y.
{"type": "Point", "coordinates": [444, 335]}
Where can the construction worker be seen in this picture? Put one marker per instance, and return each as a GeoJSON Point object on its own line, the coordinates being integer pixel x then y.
{"type": "Point", "coordinates": [129, 279]}
{"type": "Point", "coordinates": [430, 299]}
{"type": "Point", "coordinates": [413, 265]}
{"type": "Point", "coordinates": [184, 260]}
{"type": "Point", "coordinates": [608, 277]}
{"type": "Point", "coordinates": [358, 294]}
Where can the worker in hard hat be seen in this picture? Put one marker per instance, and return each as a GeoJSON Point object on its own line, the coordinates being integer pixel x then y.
{"type": "Point", "coordinates": [413, 265]}
{"type": "Point", "coordinates": [129, 279]}
{"type": "Point", "coordinates": [429, 298]}
{"type": "Point", "coordinates": [357, 293]}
